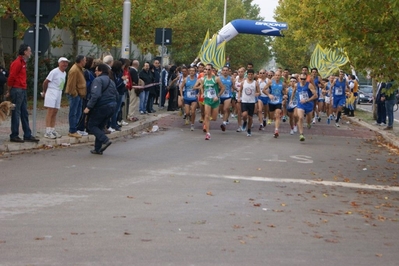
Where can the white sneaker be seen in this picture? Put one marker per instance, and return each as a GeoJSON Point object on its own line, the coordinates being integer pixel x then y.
{"type": "Point", "coordinates": [292, 132]}
{"type": "Point", "coordinates": [118, 123]}
{"type": "Point", "coordinates": [83, 133]}
{"type": "Point", "coordinates": [233, 116]}
{"type": "Point", "coordinates": [220, 116]}
{"type": "Point", "coordinates": [192, 128]}
{"type": "Point", "coordinates": [314, 121]}
{"type": "Point", "coordinates": [110, 129]}
{"type": "Point", "coordinates": [50, 136]}
{"type": "Point", "coordinates": [336, 124]}
{"type": "Point", "coordinates": [239, 129]}
{"type": "Point", "coordinates": [124, 123]}
{"type": "Point", "coordinates": [295, 129]}
{"type": "Point", "coordinates": [56, 134]}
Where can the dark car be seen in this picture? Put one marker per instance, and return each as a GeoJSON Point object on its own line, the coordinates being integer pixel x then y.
{"type": "Point", "coordinates": [365, 94]}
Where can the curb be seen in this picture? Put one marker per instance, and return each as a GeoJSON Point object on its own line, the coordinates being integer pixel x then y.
{"type": "Point", "coordinates": [66, 141]}
{"type": "Point", "coordinates": [388, 137]}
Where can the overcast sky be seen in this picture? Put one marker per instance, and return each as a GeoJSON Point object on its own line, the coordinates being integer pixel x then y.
{"type": "Point", "coordinates": [266, 8]}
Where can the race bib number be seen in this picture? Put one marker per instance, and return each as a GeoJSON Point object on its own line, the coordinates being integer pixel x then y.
{"type": "Point", "coordinates": [293, 104]}
{"type": "Point", "coordinates": [338, 91]}
{"type": "Point", "coordinates": [303, 95]}
{"type": "Point", "coordinates": [226, 93]}
{"type": "Point", "coordinates": [275, 99]}
{"type": "Point", "coordinates": [210, 93]}
{"type": "Point", "coordinates": [191, 94]}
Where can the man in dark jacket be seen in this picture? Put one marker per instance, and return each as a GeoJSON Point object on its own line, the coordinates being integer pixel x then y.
{"type": "Point", "coordinates": [381, 111]}
{"type": "Point", "coordinates": [101, 105]}
{"type": "Point", "coordinates": [146, 75]}
{"type": "Point", "coordinates": [157, 78]}
{"type": "Point", "coordinates": [3, 80]}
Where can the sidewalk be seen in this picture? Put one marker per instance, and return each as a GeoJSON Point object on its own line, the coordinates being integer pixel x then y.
{"type": "Point", "coordinates": [145, 122]}
{"type": "Point", "coordinates": [62, 126]}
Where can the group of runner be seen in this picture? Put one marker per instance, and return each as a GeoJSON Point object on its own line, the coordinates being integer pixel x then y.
{"type": "Point", "coordinates": [270, 95]}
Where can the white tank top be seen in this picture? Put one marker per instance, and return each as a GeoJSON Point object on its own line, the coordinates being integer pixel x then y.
{"type": "Point", "coordinates": [248, 92]}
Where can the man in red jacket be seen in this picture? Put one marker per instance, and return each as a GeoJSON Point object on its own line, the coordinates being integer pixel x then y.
{"type": "Point", "coordinates": [17, 90]}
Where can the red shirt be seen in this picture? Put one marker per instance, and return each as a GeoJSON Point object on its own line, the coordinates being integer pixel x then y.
{"type": "Point", "coordinates": [17, 77]}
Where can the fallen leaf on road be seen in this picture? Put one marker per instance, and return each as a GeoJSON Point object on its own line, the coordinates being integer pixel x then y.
{"type": "Point", "coordinates": [283, 204]}
{"type": "Point", "coordinates": [242, 242]}
{"type": "Point", "coordinates": [237, 226]}
{"type": "Point", "coordinates": [259, 169]}
{"type": "Point", "coordinates": [236, 181]}
{"type": "Point", "coordinates": [257, 204]}
{"type": "Point", "coordinates": [130, 197]}
{"type": "Point", "coordinates": [332, 240]}
{"type": "Point", "coordinates": [271, 225]}
{"type": "Point", "coordinates": [209, 193]}
{"type": "Point", "coordinates": [378, 255]}
{"type": "Point", "coordinates": [39, 238]}
{"type": "Point", "coordinates": [146, 240]}
{"type": "Point", "coordinates": [127, 233]}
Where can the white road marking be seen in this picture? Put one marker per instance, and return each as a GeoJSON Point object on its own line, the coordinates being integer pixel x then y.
{"type": "Point", "coordinates": [284, 180]}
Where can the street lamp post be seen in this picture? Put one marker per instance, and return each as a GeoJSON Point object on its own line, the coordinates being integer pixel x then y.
{"type": "Point", "coordinates": [224, 15]}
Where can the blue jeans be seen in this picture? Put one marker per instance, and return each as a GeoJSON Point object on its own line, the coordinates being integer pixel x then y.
{"type": "Point", "coordinates": [381, 113]}
{"type": "Point", "coordinates": [150, 103]}
{"type": "Point", "coordinates": [99, 116]}
{"type": "Point", "coordinates": [18, 97]}
{"type": "Point", "coordinates": [143, 100]}
{"type": "Point", "coordinates": [114, 117]}
{"type": "Point", "coordinates": [389, 109]}
{"type": "Point", "coordinates": [75, 112]}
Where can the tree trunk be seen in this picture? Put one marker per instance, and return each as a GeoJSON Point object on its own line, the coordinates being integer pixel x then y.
{"type": "Point", "coordinates": [2, 63]}
{"type": "Point", "coordinates": [75, 42]}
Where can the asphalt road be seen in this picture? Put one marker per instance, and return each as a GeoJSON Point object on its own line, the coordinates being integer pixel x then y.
{"type": "Point", "coordinates": [172, 198]}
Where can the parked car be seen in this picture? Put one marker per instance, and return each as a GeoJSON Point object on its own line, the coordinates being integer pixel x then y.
{"type": "Point", "coordinates": [365, 94]}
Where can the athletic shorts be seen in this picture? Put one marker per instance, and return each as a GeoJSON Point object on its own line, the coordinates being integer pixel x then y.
{"type": "Point", "coordinates": [291, 110]}
{"type": "Point", "coordinates": [52, 98]}
{"type": "Point", "coordinates": [224, 99]}
{"type": "Point", "coordinates": [211, 103]}
{"type": "Point", "coordinates": [274, 107]}
{"type": "Point", "coordinates": [327, 99]}
{"type": "Point", "coordinates": [306, 108]}
{"type": "Point", "coordinates": [189, 102]}
{"type": "Point", "coordinates": [248, 107]}
{"type": "Point", "coordinates": [321, 100]}
{"type": "Point", "coordinates": [265, 100]}
{"type": "Point", "coordinates": [338, 102]}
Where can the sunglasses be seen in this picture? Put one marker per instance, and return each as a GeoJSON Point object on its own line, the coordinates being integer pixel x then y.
{"type": "Point", "coordinates": [303, 78]}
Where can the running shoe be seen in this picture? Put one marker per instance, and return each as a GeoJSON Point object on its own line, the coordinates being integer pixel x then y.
{"type": "Point", "coordinates": [244, 126]}
{"type": "Point", "coordinates": [187, 122]}
{"type": "Point", "coordinates": [295, 129]}
{"type": "Point", "coordinates": [223, 127]}
{"type": "Point", "coordinates": [264, 123]}
{"type": "Point", "coordinates": [220, 116]}
{"type": "Point", "coordinates": [309, 126]}
{"type": "Point", "coordinates": [276, 133]}
{"type": "Point", "coordinates": [301, 137]}
{"type": "Point", "coordinates": [192, 128]}
{"type": "Point", "coordinates": [239, 129]}
{"type": "Point", "coordinates": [184, 116]}
{"type": "Point", "coordinates": [208, 136]}
{"type": "Point", "coordinates": [336, 124]}
{"type": "Point", "coordinates": [284, 118]}
{"type": "Point", "coordinates": [328, 120]}
{"type": "Point", "coordinates": [292, 132]}
{"type": "Point", "coordinates": [249, 133]}
{"type": "Point", "coordinates": [203, 128]}
{"type": "Point", "coordinates": [56, 134]}
{"type": "Point", "coordinates": [314, 121]}
{"type": "Point", "coordinates": [50, 135]}
{"type": "Point", "coordinates": [269, 122]}
{"type": "Point", "coordinates": [261, 127]}
{"type": "Point", "coordinates": [233, 116]}
{"type": "Point", "coordinates": [227, 122]}
{"type": "Point", "coordinates": [200, 120]}
{"type": "Point", "coordinates": [319, 119]}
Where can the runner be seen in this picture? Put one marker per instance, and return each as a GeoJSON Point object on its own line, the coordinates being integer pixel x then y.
{"type": "Point", "coordinates": [292, 102]}
{"type": "Point", "coordinates": [339, 88]}
{"type": "Point", "coordinates": [248, 94]}
{"type": "Point", "coordinates": [225, 98]}
{"type": "Point", "coordinates": [240, 78]}
{"type": "Point", "coordinates": [328, 99]}
{"type": "Point", "coordinates": [189, 97]}
{"type": "Point", "coordinates": [275, 90]}
{"type": "Point", "coordinates": [316, 82]}
{"type": "Point", "coordinates": [263, 100]}
{"type": "Point", "coordinates": [211, 88]}
{"type": "Point", "coordinates": [305, 92]}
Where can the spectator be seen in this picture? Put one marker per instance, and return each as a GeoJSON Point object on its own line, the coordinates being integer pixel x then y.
{"type": "Point", "coordinates": [146, 75]}
{"type": "Point", "coordinates": [380, 101]}
{"type": "Point", "coordinates": [101, 106]}
{"type": "Point", "coordinates": [121, 88]}
{"type": "Point", "coordinates": [133, 96]}
{"type": "Point", "coordinates": [17, 90]}
{"type": "Point", "coordinates": [173, 77]}
{"type": "Point", "coordinates": [157, 79]}
{"type": "Point", "coordinates": [389, 97]}
{"type": "Point", "coordinates": [52, 93]}
{"type": "Point", "coordinates": [76, 90]}
{"type": "Point", "coordinates": [152, 92]}
{"type": "Point", "coordinates": [89, 77]}
{"type": "Point", "coordinates": [3, 81]}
